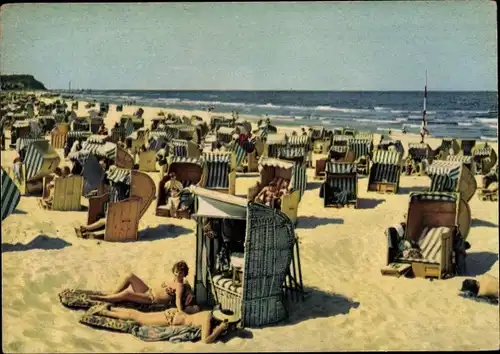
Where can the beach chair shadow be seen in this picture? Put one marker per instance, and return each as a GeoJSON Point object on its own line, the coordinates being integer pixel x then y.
{"type": "Point", "coordinates": [162, 232]}
{"type": "Point", "coordinates": [369, 203]}
{"type": "Point", "coordinates": [42, 242]}
{"type": "Point", "coordinates": [319, 304]}
{"type": "Point", "coordinates": [479, 263]}
{"type": "Point", "coordinates": [313, 185]}
{"type": "Point", "coordinates": [408, 190]}
{"type": "Point", "coordinates": [482, 223]}
{"type": "Point", "coordinates": [20, 212]}
{"type": "Point", "coordinates": [311, 222]}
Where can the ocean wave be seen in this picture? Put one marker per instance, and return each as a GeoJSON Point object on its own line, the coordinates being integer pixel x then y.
{"type": "Point", "coordinates": [466, 124]}
{"type": "Point", "coordinates": [378, 109]}
{"type": "Point", "coordinates": [487, 120]}
{"type": "Point", "coordinates": [411, 125]}
{"type": "Point", "coordinates": [344, 110]}
{"type": "Point", "coordinates": [377, 121]}
{"type": "Point", "coordinates": [489, 138]}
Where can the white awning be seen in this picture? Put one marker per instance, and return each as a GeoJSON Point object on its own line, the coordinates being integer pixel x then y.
{"type": "Point", "coordinates": [214, 204]}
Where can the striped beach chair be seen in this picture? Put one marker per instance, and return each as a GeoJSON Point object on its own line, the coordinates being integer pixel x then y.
{"type": "Point", "coordinates": [485, 158]}
{"type": "Point", "coordinates": [387, 143]}
{"type": "Point", "coordinates": [385, 172]}
{"type": "Point", "coordinates": [467, 160]}
{"type": "Point", "coordinates": [268, 278]}
{"type": "Point", "coordinates": [219, 174]}
{"type": "Point", "coordinates": [23, 143]}
{"type": "Point", "coordinates": [91, 171]}
{"type": "Point", "coordinates": [73, 136]}
{"type": "Point", "coordinates": [341, 184]}
{"type": "Point", "coordinates": [10, 195]}
{"type": "Point", "coordinates": [452, 176]}
{"type": "Point", "coordinates": [80, 125]}
{"type": "Point", "coordinates": [275, 143]}
{"type": "Point", "coordinates": [184, 148]}
{"type": "Point", "coordinates": [439, 223]}
{"type": "Point", "coordinates": [40, 160]}
{"type": "Point", "coordinates": [298, 148]}
{"type": "Point", "coordinates": [220, 121]}
{"type": "Point", "coordinates": [362, 150]}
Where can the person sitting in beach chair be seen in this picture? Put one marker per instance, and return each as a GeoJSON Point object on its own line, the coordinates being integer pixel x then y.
{"type": "Point", "coordinates": [267, 192]}
{"type": "Point", "coordinates": [47, 202]}
{"type": "Point", "coordinates": [176, 292]}
{"type": "Point", "coordinates": [18, 168]}
{"type": "Point", "coordinates": [173, 189]}
{"type": "Point", "coordinates": [102, 130]}
{"type": "Point", "coordinates": [170, 317]}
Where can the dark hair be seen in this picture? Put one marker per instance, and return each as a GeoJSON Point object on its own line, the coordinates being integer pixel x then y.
{"type": "Point", "coordinates": [172, 175]}
{"type": "Point", "coordinates": [470, 285]}
{"type": "Point", "coordinates": [181, 266]}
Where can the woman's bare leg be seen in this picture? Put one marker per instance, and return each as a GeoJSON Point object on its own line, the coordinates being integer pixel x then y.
{"type": "Point", "coordinates": [125, 295]}
{"type": "Point", "coordinates": [144, 319]}
{"type": "Point", "coordinates": [135, 282]}
{"type": "Point", "coordinates": [101, 223]}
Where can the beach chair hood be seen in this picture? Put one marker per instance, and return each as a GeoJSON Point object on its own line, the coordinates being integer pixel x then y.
{"type": "Point", "coordinates": [452, 176]}
{"type": "Point", "coordinates": [10, 195]}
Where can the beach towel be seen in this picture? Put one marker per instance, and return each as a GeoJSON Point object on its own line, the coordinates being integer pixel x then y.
{"type": "Point", "coordinates": [174, 334]}
{"type": "Point", "coordinates": [79, 299]}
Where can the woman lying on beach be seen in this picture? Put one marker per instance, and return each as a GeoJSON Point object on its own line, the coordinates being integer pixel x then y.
{"type": "Point", "coordinates": [170, 317]}
{"type": "Point", "coordinates": [133, 289]}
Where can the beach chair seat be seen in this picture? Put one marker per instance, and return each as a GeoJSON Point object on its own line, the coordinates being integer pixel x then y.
{"type": "Point", "coordinates": [435, 247]}
{"type": "Point", "coordinates": [341, 185]}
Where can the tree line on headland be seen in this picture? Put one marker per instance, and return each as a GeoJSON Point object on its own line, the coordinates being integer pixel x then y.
{"type": "Point", "coordinates": [20, 82]}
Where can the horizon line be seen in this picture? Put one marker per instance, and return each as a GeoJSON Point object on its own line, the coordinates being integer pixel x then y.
{"type": "Point", "coordinates": [268, 90]}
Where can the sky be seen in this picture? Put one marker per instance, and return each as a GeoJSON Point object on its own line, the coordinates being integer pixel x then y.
{"type": "Point", "coordinates": [254, 46]}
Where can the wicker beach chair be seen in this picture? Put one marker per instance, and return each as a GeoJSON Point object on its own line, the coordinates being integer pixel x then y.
{"type": "Point", "coordinates": [102, 147]}
{"type": "Point", "coordinates": [447, 145]}
{"type": "Point", "coordinates": [268, 277]}
{"type": "Point", "coordinates": [439, 224]}
{"type": "Point", "coordinates": [419, 157]}
{"type": "Point", "coordinates": [466, 146]}
{"type": "Point", "coordinates": [274, 144]}
{"type": "Point", "coordinates": [341, 185]}
{"type": "Point", "coordinates": [10, 195]}
{"type": "Point", "coordinates": [387, 143]}
{"type": "Point", "coordinates": [123, 212]}
{"type": "Point", "coordinates": [489, 185]}
{"type": "Point", "coordinates": [362, 149]}
{"type": "Point", "coordinates": [385, 172]}
{"type": "Point", "coordinates": [70, 138]}
{"type": "Point", "coordinates": [225, 134]}
{"type": "Point", "coordinates": [184, 148]}
{"type": "Point", "coordinates": [295, 173]}
{"type": "Point", "coordinates": [189, 172]}
{"type": "Point", "coordinates": [322, 146]}
{"type": "Point", "coordinates": [485, 158]}
{"type": "Point", "coordinates": [219, 172]}
{"type": "Point", "coordinates": [245, 156]}
{"type": "Point", "coordinates": [452, 176]}
{"type": "Point", "coordinates": [297, 149]}
{"type": "Point", "coordinates": [220, 121]}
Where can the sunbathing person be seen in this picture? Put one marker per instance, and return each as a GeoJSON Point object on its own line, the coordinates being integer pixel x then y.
{"type": "Point", "coordinates": [176, 292]}
{"type": "Point", "coordinates": [170, 317]}
{"type": "Point", "coordinates": [266, 192]}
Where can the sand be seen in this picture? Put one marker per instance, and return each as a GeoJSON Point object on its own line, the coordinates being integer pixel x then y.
{"type": "Point", "coordinates": [350, 306]}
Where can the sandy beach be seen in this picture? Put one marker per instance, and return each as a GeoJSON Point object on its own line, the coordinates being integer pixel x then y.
{"type": "Point", "coordinates": [349, 306]}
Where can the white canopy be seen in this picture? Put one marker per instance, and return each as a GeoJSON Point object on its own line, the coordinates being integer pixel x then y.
{"type": "Point", "coordinates": [212, 204]}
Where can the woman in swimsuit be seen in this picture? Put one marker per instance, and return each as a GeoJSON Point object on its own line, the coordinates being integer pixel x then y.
{"type": "Point", "coordinates": [170, 317]}
{"type": "Point", "coordinates": [135, 290]}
